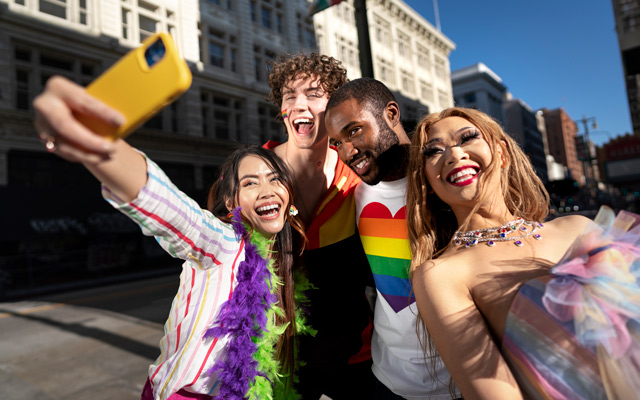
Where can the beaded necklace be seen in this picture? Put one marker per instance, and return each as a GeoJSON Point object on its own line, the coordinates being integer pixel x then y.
{"type": "Point", "coordinates": [499, 234]}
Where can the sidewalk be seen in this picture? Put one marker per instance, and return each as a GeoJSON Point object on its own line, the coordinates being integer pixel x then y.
{"type": "Point", "coordinates": [70, 350]}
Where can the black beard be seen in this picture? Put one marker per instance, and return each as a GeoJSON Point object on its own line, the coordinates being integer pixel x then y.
{"type": "Point", "coordinates": [391, 164]}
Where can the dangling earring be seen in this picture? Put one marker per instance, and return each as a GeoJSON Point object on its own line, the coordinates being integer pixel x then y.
{"type": "Point", "coordinates": [230, 215]}
{"type": "Point", "coordinates": [293, 211]}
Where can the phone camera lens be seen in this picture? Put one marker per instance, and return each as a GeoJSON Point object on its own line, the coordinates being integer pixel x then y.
{"type": "Point", "coordinates": [154, 53]}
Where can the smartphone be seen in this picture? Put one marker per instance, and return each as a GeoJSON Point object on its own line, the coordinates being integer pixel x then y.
{"type": "Point", "coordinates": [140, 84]}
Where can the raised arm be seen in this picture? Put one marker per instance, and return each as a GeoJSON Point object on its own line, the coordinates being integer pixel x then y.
{"type": "Point", "coordinates": [114, 163]}
{"type": "Point", "coordinates": [460, 334]}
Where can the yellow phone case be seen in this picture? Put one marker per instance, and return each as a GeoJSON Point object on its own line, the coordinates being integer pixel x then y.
{"type": "Point", "coordinates": [137, 90]}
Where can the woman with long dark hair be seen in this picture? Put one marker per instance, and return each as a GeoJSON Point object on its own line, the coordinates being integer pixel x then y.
{"type": "Point", "coordinates": [231, 330]}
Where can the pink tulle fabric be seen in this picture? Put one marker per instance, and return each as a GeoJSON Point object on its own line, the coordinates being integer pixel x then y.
{"type": "Point", "coordinates": [596, 285]}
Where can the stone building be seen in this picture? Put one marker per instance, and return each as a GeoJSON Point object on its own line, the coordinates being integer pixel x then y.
{"type": "Point", "coordinates": [59, 222]}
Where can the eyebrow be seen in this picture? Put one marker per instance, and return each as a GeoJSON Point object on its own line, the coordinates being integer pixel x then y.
{"type": "Point", "coordinates": [255, 176]}
{"type": "Point", "coordinates": [288, 90]}
{"type": "Point", "coordinates": [348, 126]}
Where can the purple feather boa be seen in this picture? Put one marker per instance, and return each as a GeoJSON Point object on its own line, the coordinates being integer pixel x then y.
{"type": "Point", "coordinates": [242, 318]}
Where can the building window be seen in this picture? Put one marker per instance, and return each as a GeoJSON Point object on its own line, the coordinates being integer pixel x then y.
{"type": "Point", "coordinates": [424, 58]}
{"type": "Point", "coordinates": [74, 11]}
{"type": "Point", "coordinates": [221, 116]}
{"type": "Point", "coordinates": [53, 7]}
{"type": "Point", "coordinates": [404, 45]}
{"type": "Point", "coordinates": [34, 66]}
{"type": "Point", "coordinates": [261, 57]}
{"type": "Point", "coordinates": [382, 31]}
{"type": "Point", "coordinates": [270, 128]}
{"type": "Point", "coordinates": [216, 55]}
{"type": "Point", "coordinates": [386, 72]}
{"type": "Point", "coordinates": [345, 12]}
{"type": "Point", "coordinates": [279, 23]}
{"type": "Point", "coordinates": [126, 24]}
{"type": "Point", "coordinates": [148, 26]}
{"type": "Point", "coordinates": [271, 15]}
{"type": "Point", "coordinates": [305, 31]}
{"type": "Point", "coordinates": [443, 99]}
{"type": "Point", "coordinates": [221, 3]}
{"type": "Point", "coordinates": [266, 17]}
{"type": "Point", "coordinates": [222, 50]}
{"type": "Point", "coordinates": [252, 11]}
{"type": "Point", "coordinates": [23, 94]}
{"type": "Point", "coordinates": [630, 23]}
{"type": "Point", "coordinates": [407, 82]}
{"type": "Point", "coordinates": [440, 69]}
{"type": "Point", "coordinates": [142, 19]}
{"type": "Point", "coordinates": [165, 120]}
{"type": "Point", "coordinates": [348, 52]}
{"type": "Point", "coordinates": [426, 91]}
{"type": "Point", "coordinates": [82, 12]}
{"type": "Point", "coordinates": [309, 38]}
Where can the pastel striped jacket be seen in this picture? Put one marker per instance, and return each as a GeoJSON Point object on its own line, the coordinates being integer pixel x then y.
{"type": "Point", "coordinates": [212, 254]}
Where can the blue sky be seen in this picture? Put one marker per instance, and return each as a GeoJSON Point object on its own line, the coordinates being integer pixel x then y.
{"type": "Point", "coordinates": [549, 53]}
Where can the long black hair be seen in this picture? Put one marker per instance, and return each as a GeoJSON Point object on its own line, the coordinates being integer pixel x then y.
{"type": "Point", "coordinates": [288, 245]}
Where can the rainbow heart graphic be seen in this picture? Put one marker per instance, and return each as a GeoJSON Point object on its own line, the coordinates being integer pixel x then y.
{"type": "Point", "coordinates": [385, 239]}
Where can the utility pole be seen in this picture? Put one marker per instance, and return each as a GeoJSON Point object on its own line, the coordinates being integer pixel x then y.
{"type": "Point", "coordinates": [585, 122]}
{"type": "Point", "coordinates": [437, 15]}
{"type": "Point", "coordinates": [364, 42]}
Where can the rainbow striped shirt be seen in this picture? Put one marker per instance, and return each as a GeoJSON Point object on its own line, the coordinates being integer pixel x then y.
{"type": "Point", "coordinates": [211, 253]}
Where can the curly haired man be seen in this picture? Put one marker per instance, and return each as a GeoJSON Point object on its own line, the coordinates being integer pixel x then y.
{"type": "Point", "coordinates": [337, 361]}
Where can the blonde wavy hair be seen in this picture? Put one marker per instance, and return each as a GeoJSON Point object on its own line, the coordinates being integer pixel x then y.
{"type": "Point", "coordinates": [430, 221]}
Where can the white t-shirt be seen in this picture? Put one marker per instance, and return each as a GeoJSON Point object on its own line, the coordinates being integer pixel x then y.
{"type": "Point", "coordinates": [398, 359]}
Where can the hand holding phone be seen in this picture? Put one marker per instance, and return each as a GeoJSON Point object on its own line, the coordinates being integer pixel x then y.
{"type": "Point", "coordinates": [139, 85]}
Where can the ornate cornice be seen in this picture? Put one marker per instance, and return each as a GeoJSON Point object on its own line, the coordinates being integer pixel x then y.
{"type": "Point", "coordinates": [415, 23]}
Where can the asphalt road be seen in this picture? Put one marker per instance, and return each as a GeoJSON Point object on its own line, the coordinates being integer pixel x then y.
{"type": "Point", "coordinates": [91, 344]}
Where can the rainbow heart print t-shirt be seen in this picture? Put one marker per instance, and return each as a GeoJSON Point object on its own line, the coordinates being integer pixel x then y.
{"type": "Point", "coordinates": [398, 360]}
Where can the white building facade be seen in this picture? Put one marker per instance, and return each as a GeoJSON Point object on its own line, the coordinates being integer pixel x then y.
{"type": "Point", "coordinates": [410, 56]}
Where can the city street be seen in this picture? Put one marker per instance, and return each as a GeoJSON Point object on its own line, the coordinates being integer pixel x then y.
{"type": "Point", "coordinates": [90, 344]}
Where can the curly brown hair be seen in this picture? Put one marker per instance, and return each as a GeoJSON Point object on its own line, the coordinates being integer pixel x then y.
{"type": "Point", "coordinates": [289, 67]}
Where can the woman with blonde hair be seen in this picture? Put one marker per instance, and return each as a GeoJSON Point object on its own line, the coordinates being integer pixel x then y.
{"type": "Point", "coordinates": [515, 307]}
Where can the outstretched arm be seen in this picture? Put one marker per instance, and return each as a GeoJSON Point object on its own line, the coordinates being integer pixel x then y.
{"type": "Point", "coordinates": [114, 163]}
{"type": "Point", "coordinates": [460, 334]}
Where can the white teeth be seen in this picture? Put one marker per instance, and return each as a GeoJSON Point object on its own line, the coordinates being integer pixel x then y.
{"type": "Point", "coordinates": [269, 207]}
{"type": "Point", "coordinates": [361, 164]}
{"type": "Point", "coordinates": [302, 121]}
{"type": "Point", "coordinates": [467, 171]}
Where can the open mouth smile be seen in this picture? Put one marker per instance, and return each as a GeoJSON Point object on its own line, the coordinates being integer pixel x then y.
{"type": "Point", "coordinates": [360, 165]}
{"type": "Point", "coordinates": [269, 211]}
{"type": "Point", "coordinates": [463, 176]}
{"type": "Point", "coordinates": [303, 126]}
